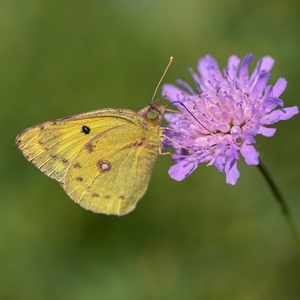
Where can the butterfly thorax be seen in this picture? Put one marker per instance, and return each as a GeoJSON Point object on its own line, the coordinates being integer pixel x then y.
{"type": "Point", "coordinates": [152, 116]}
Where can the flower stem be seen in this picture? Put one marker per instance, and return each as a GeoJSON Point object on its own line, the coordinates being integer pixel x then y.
{"type": "Point", "coordinates": [282, 203]}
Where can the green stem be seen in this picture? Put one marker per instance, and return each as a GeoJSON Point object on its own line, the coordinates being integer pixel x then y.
{"type": "Point", "coordinates": [282, 203]}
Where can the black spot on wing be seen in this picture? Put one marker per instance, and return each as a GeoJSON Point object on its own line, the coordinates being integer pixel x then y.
{"type": "Point", "coordinates": [85, 129]}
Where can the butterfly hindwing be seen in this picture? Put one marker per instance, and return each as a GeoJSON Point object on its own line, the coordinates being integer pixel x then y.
{"type": "Point", "coordinates": [107, 176]}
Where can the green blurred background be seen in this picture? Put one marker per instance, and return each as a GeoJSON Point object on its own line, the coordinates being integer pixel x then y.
{"type": "Point", "coordinates": [195, 239]}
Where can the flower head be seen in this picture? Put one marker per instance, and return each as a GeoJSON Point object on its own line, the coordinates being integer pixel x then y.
{"type": "Point", "coordinates": [218, 122]}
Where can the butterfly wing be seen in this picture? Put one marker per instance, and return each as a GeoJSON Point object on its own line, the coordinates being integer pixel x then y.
{"type": "Point", "coordinates": [112, 171]}
{"type": "Point", "coordinates": [103, 159]}
{"type": "Point", "coordinates": [52, 146]}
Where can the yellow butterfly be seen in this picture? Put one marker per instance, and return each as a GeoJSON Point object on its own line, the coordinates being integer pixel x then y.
{"type": "Point", "coordinates": [103, 159]}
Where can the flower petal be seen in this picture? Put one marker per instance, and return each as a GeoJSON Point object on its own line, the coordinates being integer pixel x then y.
{"type": "Point", "coordinates": [243, 74]}
{"type": "Point", "coordinates": [232, 66]}
{"type": "Point", "coordinates": [195, 76]}
{"type": "Point", "coordinates": [208, 67]}
{"type": "Point", "coordinates": [279, 115]}
{"type": "Point", "coordinates": [186, 86]}
{"type": "Point", "coordinates": [182, 169]}
{"type": "Point", "coordinates": [270, 104]}
{"type": "Point", "coordinates": [219, 162]}
{"type": "Point", "coordinates": [171, 118]}
{"type": "Point", "coordinates": [261, 83]}
{"type": "Point", "coordinates": [266, 131]}
{"type": "Point", "coordinates": [264, 64]}
{"type": "Point", "coordinates": [174, 94]}
{"type": "Point", "coordinates": [250, 155]}
{"type": "Point", "coordinates": [232, 173]}
{"type": "Point", "coordinates": [279, 87]}
{"type": "Point", "coordinates": [267, 63]}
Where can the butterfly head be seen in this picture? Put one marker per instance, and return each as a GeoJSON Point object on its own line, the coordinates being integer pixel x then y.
{"type": "Point", "coordinates": [152, 113]}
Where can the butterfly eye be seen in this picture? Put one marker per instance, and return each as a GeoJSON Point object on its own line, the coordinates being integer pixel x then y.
{"type": "Point", "coordinates": [152, 114]}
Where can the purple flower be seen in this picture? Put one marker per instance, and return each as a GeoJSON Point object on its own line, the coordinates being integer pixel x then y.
{"type": "Point", "coordinates": [218, 123]}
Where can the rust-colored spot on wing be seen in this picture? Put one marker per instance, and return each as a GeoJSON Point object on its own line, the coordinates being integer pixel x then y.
{"type": "Point", "coordinates": [90, 147]}
{"type": "Point", "coordinates": [77, 165]}
{"type": "Point", "coordinates": [103, 166]}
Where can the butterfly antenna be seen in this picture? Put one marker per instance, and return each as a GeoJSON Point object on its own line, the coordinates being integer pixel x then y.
{"type": "Point", "coordinates": [162, 77]}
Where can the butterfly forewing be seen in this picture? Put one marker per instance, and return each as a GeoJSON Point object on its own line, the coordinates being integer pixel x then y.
{"type": "Point", "coordinates": [52, 146]}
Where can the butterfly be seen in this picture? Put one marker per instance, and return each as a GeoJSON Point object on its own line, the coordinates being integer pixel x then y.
{"type": "Point", "coordinates": [103, 159]}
